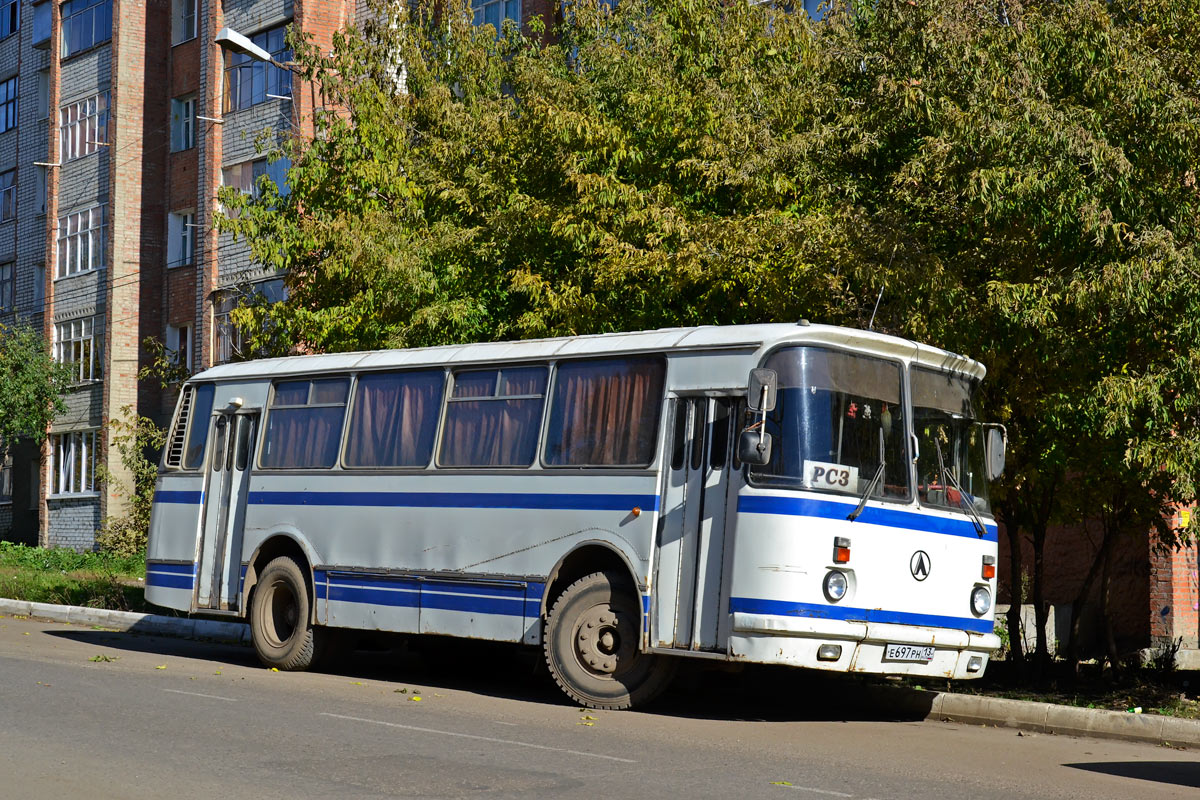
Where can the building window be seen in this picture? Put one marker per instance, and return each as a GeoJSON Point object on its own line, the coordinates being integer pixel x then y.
{"type": "Point", "coordinates": [40, 177]}
{"type": "Point", "coordinates": [8, 104]}
{"type": "Point", "coordinates": [228, 344]}
{"type": "Point", "coordinates": [7, 284]}
{"type": "Point", "coordinates": [8, 195]}
{"type": "Point", "coordinates": [83, 126]}
{"type": "Point", "coordinates": [179, 342]}
{"type": "Point", "coordinates": [494, 12]}
{"type": "Point", "coordinates": [181, 238]}
{"type": "Point", "coordinates": [245, 176]}
{"type": "Point", "coordinates": [41, 26]}
{"type": "Point", "coordinates": [75, 344]}
{"type": "Point", "coordinates": [5, 475]}
{"type": "Point", "coordinates": [73, 463]}
{"type": "Point", "coordinates": [81, 241]}
{"type": "Point", "coordinates": [183, 20]}
{"type": "Point", "coordinates": [10, 17]}
{"type": "Point", "coordinates": [39, 286]}
{"type": "Point", "coordinates": [183, 123]}
{"type": "Point", "coordinates": [85, 24]}
{"type": "Point", "coordinates": [249, 82]}
{"type": "Point", "coordinates": [43, 93]}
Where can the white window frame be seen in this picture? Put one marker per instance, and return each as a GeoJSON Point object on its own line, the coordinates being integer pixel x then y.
{"type": "Point", "coordinates": [480, 8]}
{"type": "Point", "coordinates": [183, 23]}
{"type": "Point", "coordinates": [183, 123]}
{"type": "Point", "coordinates": [80, 242]}
{"type": "Point", "coordinates": [83, 126]}
{"type": "Point", "coordinates": [76, 344]}
{"type": "Point", "coordinates": [8, 195]}
{"type": "Point", "coordinates": [6, 476]}
{"type": "Point", "coordinates": [8, 286]}
{"type": "Point", "coordinates": [181, 238]}
{"type": "Point", "coordinates": [73, 464]}
{"type": "Point", "coordinates": [179, 342]}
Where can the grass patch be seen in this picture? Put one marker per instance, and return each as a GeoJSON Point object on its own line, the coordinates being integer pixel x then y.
{"type": "Point", "coordinates": [77, 588]}
{"type": "Point", "coordinates": [65, 577]}
{"type": "Point", "coordinates": [43, 559]}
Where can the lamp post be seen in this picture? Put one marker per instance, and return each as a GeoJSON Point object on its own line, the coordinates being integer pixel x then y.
{"type": "Point", "coordinates": [229, 39]}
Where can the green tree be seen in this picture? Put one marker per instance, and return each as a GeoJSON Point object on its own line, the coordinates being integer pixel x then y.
{"type": "Point", "coordinates": [1012, 180]}
{"type": "Point", "coordinates": [31, 385]}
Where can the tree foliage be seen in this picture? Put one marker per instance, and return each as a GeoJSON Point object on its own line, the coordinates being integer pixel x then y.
{"type": "Point", "coordinates": [1012, 180]}
{"type": "Point", "coordinates": [31, 385]}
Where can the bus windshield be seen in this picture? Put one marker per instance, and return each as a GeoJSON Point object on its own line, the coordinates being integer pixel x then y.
{"type": "Point", "coordinates": [950, 455]}
{"type": "Point", "coordinates": [835, 416]}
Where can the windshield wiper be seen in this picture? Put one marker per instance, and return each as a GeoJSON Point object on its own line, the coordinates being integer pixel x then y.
{"type": "Point", "coordinates": [875, 479]}
{"type": "Point", "coordinates": [980, 528]}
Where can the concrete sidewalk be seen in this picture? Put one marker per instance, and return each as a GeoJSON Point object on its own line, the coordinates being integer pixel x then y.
{"type": "Point", "coordinates": [932, 706]}
{"type": "Point", "coordinates": [154, 624]}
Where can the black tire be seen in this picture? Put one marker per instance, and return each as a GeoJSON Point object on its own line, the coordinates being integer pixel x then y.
{"type": "Point", "coordinates": [280, 619]}
{"type": "Point", "coordinates": [593, 633]}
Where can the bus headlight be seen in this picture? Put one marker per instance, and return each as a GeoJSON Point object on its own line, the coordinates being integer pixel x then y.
{"type": "Point", "coordinates": [981, 601]}
{"type": "Point", "coordinates": [835, 586]}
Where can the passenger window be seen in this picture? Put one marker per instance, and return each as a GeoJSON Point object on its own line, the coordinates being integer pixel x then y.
{"type": "Point", "coordinates": [394, 420]}
{"type": "Point", "coordinates": [199, 419]}
{"type": "Point", "coordinates": [719, 447]}
{"type": "Point", "coordinates": [304, 423]}
{"type": "Point", "coordinates": [492, 418]}
{"type": "Point", "coordinates": [679, 441]}
{"type": "Point", "coordinates": [605, 412]}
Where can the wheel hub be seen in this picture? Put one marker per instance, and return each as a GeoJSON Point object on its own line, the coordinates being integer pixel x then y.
{"type": "Point", "coordinates": [605, 641]}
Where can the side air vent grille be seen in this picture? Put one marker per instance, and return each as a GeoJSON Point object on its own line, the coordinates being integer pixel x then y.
{"type": "Point", "coordinates": [179, 434]}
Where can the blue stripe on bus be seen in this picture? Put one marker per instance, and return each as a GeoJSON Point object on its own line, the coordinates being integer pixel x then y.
{"type": "Point", "coordinates": [512, 500]}
{"type": "Point", "coordinates": [171, 576]}
{"type": "Point", "coordinates": [518, 599]}
{"type": "Point", "coordinates": [179, 496]}
{"type": "Point", "coordinates": [891, 517]}
{"type": "Point", "coordinates": [786, 608]}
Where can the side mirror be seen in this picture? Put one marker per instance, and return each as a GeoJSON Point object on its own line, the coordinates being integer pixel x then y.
{"type": "Point", "coordinates": [754, 447]}
{"type": "Point", "coordinates": [995, 441]}
{"type": "Point", "coordinates": [761, 389]}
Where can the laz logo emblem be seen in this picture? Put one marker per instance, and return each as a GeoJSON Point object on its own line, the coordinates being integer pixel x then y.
{"type": "Point", "coordinates": [824, 475]}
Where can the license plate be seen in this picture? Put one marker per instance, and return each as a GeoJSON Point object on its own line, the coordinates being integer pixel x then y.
{"type": "Point", "coordinates": [908, 652]}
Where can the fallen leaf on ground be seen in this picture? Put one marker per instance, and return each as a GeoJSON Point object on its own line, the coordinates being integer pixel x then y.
{"type": "Point", "coordinates": [161, 666]}
{"type": "Point", "coordinates": [274, 669]}
{"type": "Point", "coordinates": [589, 724]}
{"type": "Point", "coordinates": [103, 657]}
{"type": "Point", "coordinates": [781, 783]}
{"type": "Point", "coordinates": [415, 699]}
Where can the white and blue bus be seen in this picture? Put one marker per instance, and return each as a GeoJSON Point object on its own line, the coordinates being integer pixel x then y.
{"type": "Point", "coordinates": [779, 494]}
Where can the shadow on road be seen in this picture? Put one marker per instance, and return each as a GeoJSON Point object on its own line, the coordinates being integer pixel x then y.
{"type": "Point", "coordinates": [514, 672]}
{"type": "Point", "coordinates": [1180, 773]}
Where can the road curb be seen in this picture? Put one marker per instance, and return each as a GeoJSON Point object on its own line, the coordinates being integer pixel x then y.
{"type": "Point", "coordinates": [155, 624]}
{"type": "Point", "coordinates": [1041, 717]}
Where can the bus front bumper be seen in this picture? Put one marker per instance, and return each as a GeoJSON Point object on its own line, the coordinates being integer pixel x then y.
{"type": "Point", "coordinates": [865, 647]}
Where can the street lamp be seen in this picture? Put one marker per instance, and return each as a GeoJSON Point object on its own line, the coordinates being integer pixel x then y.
{"type": "Point", "coordinates": [231, 40]}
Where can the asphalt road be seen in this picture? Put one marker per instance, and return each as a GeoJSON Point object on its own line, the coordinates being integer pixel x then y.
{"type": "Point", "coordinates": [157, 717]}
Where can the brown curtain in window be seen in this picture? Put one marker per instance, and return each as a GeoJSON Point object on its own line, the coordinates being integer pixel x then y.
{"type": "Point", "coordinates": [606, 412]}
{"type": "Point", "coordinates": [394, 420]}
{"type": "Point", "coordinates": [492, 433]}
{"type": "Point", "coordinates": [303, 437]}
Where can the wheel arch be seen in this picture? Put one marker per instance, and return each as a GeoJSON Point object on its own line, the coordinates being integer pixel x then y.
{"type": "Point", "coordinates": [585, 558]}
{"type": "Point", "coordinates": [281, 543]}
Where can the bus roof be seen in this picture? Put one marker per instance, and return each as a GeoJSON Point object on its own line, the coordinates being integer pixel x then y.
{"type": "Point", "coordinates": [749, 337]}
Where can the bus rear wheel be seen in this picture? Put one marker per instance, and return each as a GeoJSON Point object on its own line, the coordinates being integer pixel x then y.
{"type": "Point", "coordinates": [592, 641]}
{"type": "Point", "coordinates": [280, 614]}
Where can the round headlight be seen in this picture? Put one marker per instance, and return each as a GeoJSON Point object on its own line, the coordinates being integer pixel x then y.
{"type": "Point", "coordinates": [981, 601]}
{"type": "Point", "coordinates": [835, 586]}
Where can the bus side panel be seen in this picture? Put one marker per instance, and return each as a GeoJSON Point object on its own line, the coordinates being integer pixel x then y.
{"type": "Point", "coordinates": [448, 553]}
{"type": "Point", "coordinates": [171, 547]}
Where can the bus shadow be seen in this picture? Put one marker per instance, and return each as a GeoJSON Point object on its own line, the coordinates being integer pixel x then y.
{"type": "Point", "coordinates": [514, 672]}
{"type": "Point", "coordinates": [1179, 773]}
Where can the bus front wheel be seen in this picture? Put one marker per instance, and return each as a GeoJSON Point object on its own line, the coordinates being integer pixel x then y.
{"type": "Point", "coordinates": [280, 625]}
{"type": "Point", "coordinates": [592, 641]}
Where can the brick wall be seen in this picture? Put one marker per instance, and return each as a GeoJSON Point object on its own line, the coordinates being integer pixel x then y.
{"type": "Point", "coordinates": [1174, 601]}
{"type": "Point", "coordinates": [1068, 555]}
{"type": "Point", "coordinates": [73, 523]}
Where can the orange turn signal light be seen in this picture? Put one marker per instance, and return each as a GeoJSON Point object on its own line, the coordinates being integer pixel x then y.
{"type": "Point", "coordinates": [989, 571]}
{"type": "Point", "coordinates": [841, 550]}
